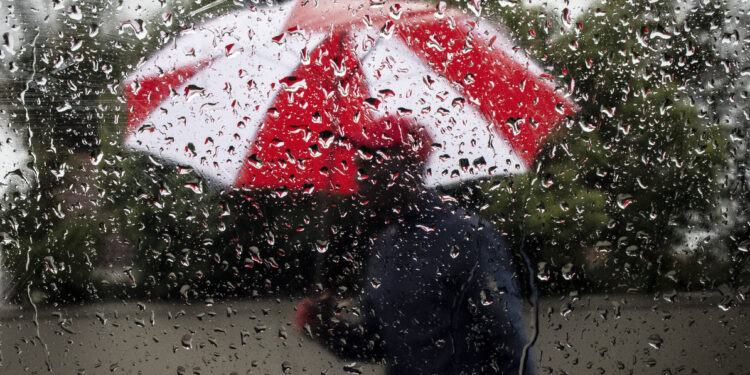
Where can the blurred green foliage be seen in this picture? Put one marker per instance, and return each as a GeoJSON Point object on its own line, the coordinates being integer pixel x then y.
{"type": "Point", "coordinates": [616, 190]}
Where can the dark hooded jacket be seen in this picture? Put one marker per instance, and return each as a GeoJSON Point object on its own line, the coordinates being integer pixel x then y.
{"type": "Point", "coordinates": [440, 296]}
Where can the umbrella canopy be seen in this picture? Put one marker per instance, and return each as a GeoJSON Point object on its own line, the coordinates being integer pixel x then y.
{"type": "Point", "coordinates": [285, 96]}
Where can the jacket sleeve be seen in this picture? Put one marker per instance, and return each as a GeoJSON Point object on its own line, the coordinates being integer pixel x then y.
{"type": "Point", "coordinates": [493, 299]}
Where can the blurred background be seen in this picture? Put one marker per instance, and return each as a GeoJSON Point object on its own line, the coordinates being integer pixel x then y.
{"type": "Point", "coordinates": [643, 193]}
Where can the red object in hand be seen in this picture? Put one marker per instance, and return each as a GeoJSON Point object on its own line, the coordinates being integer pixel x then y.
{"type": "Point", "coordinates": [306, 311]}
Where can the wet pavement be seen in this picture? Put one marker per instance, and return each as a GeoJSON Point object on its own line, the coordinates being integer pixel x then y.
{"type": "Point", "coordinates": [624, 334]}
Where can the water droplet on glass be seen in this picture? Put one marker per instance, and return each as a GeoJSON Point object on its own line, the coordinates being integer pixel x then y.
{"type": "Point", "coordinates": [321, 246]}
{"type": "Point", "coordinates": [64, 107]}
{"type": "Point", "coordinates": [395, 11]}
{"type": "Point", "coordinates": [187, 341]}
{"type": "Point", "coordinates": [655, 341]}
{"type": "Point", "coordinates": [75, 13]}
{"type": "Point", "coordinates": [624, 200]}
{"type": "Point", "coordinates": [377, 3]}
{"type": "Point", "coordinates": [542, 272]}
{"type": "Point", "coordinates": [440, 9]}
{"type": "Point", "coordinates": [744, 246]}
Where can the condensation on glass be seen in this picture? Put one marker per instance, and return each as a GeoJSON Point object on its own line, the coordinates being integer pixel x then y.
{"type": "Point", "coordinates": [374, 187]}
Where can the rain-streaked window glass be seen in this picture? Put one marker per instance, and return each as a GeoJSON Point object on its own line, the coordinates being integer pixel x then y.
{"type": "Point", "coordinates": [374, 186]}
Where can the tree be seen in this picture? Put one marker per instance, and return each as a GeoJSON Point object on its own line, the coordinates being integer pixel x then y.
{"type": "Point", "coordinates": [615, 188]}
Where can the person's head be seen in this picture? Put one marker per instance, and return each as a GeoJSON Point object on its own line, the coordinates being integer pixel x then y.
{"type": "Point", "coordinates": [391, 177]}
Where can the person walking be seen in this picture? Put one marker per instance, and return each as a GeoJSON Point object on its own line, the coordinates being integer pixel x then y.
{"type": "Point", "coordinates": [441, 293]}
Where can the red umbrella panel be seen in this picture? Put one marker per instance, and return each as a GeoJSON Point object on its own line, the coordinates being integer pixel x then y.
{"type": "Point", "coordinates": [284, 97]}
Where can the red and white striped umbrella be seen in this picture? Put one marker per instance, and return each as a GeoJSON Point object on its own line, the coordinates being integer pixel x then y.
{"type": "Point", "coordinates": [285, 96]}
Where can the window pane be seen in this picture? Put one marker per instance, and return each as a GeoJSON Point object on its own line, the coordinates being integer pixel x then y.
{"type": "Point", "coordinates": [372, 187]}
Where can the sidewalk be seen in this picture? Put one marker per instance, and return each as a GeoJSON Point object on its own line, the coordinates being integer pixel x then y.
{"type": "Point", "coordinates": [590, 335]}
